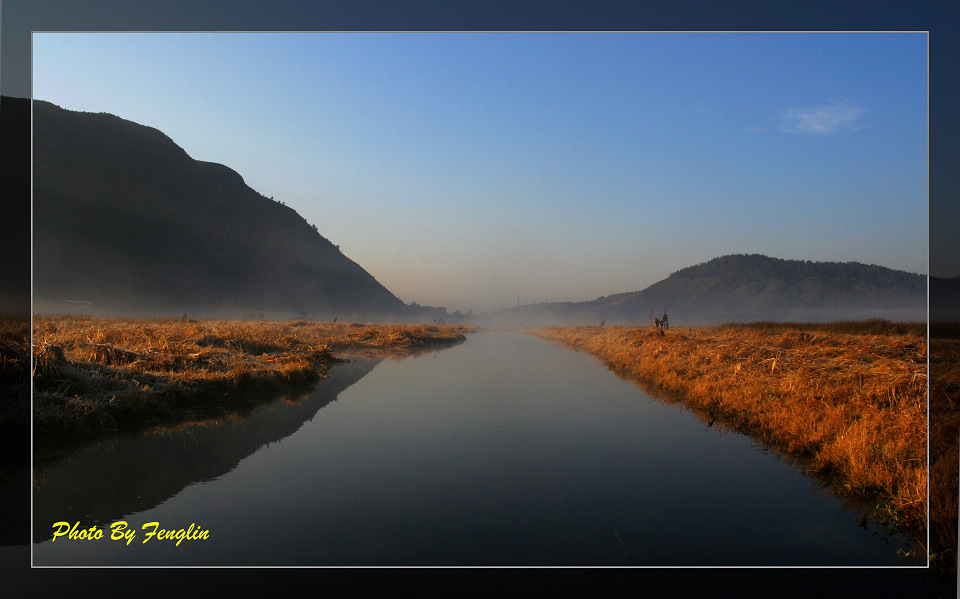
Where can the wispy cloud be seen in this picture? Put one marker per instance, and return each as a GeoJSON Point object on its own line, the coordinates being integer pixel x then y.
{"type": "Point", "coordinates": [820, 120]}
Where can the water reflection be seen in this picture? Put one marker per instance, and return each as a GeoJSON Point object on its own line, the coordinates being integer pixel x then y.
{"type": "Point", "coordinates": [128, 475]}
{"type": "Point", "coordinates": [506, 450]}
{"type": "Point", "coordinates": [858, 506]}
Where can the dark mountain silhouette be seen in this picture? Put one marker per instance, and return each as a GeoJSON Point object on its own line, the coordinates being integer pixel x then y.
{"type": "Point", "coordinates": [124, 219]}
{"type": "Point", "coordinates": [750, 288]}
{"type": "Point", "coordinates": [190, 454]}
{"type": "Point", "coordinates": [126, 222]}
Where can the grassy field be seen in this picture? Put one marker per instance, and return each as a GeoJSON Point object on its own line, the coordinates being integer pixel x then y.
{"type": "Point", "coordinates": [96, 376]}
{"type": "Point", "coordinates": [848, 399]}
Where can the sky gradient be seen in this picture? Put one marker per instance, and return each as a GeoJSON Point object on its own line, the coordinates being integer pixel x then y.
{"type": "Point", "coordinates": [467, 169]}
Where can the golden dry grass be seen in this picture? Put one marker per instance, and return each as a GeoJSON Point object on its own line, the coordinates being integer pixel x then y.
{"type": "Point", "coordinates": [97, 375]}
{"type": "Point", "coordinates": [852, 404]}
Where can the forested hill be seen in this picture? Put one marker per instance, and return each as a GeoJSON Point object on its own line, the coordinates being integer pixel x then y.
{"type": "Point", "coordinates": [126, 222]}
{"type": "Point", "coordinates": [755, 287]}
{"type": "Point", "coordinates": [749, 288]}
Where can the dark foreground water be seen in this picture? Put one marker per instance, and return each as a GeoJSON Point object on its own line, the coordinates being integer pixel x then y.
{"type": "Point", "coordinates": [505, 450]}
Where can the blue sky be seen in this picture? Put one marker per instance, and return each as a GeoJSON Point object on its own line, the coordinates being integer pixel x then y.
{"type": "Point", "coordinates": [465, 169]}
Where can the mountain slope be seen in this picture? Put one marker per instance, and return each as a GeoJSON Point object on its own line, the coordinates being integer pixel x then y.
{"type": "Point", "coordinates": [125, 219]}
{"type": "Point", "coordinates": [755, 287]}
{"type": "Point", "coordinates": [745, 288]}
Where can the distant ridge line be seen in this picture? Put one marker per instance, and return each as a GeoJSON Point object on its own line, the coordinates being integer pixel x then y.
{"type": "Point", "coordinates": [750, 288]}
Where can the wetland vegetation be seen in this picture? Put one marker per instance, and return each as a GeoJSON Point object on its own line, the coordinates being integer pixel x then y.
{"type": "Point", "coordinates": [849, 399]}
{"type": "Point", "coordinates": [98, 376]}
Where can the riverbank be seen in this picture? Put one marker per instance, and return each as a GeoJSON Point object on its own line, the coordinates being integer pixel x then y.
{"type": "Point", "coordinates": [850, 399]}
{"type": "Point", "coordinates": [94, 377]}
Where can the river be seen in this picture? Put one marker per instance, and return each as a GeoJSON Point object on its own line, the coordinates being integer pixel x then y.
{"type": "Point", "coordinates": [506, 450]}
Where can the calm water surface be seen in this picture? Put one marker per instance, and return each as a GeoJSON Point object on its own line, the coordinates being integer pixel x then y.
{"type": "Point", "coordinates": [505, 450]}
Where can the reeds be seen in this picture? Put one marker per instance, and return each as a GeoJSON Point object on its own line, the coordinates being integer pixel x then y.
{"type": "Point", "coordinates": [850, 400]}
{"type": "Point", "coordinates": [93, 376]}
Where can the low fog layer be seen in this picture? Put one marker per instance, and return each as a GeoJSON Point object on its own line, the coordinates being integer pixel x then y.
{"type": "Point", "coordinates": [126, 223]}
{"type": "Point", "coordinates": [742, 288]}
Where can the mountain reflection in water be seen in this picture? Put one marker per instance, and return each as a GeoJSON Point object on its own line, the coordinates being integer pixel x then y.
{"type": "Point", "coordinates": [137, 473]}
{"type": "Point", "coordinates": [507, 450]}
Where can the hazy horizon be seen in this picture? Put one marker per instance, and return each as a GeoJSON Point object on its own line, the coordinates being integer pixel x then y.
{"type": "Point", "coordinates": [466, 170]}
